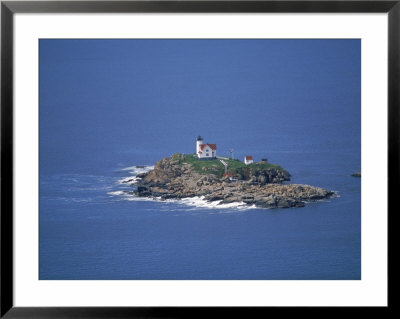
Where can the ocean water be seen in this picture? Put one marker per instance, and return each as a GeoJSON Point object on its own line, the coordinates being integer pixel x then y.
{"type": "Point", "coordinates": [108, 106]}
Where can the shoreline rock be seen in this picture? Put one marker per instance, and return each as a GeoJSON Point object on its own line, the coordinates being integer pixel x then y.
{"type": "Point", "coordinates": [170, 179]}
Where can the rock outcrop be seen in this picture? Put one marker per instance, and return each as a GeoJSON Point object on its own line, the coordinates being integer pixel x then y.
{"type": "Point", "coordinates": [171, 178]}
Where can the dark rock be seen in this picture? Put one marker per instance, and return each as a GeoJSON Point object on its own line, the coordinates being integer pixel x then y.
{"type": "Point", "coordinates": [170, 179]}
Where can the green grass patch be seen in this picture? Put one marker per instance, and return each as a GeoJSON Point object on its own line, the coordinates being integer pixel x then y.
{"type": "Point", "coordinates": [214, 166]}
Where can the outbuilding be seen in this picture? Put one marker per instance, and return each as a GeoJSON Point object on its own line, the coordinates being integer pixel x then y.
{"type": "Point", "coordinates": [248, 159]}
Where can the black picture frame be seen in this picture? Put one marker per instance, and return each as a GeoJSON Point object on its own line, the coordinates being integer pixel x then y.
{"type": "Point", "coordinates": [9, 8]}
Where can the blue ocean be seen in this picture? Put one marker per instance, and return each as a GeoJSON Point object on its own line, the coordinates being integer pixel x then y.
{"type": "Point", "coordinates": [110, 109]}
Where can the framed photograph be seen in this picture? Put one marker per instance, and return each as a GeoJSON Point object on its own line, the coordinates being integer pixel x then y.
{"type": "Point", "coordinates": [175, 158]}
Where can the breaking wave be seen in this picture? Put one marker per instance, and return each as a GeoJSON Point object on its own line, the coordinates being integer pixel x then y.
{"type": "Point", "coordinates": [197, 201]}
{"type": "Point", "coordinates": [134, 171]}
{"type": "Point", "coordinates": [200, 202]}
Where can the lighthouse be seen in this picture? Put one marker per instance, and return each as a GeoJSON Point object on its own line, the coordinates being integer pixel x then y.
{"type": "Point", "coordinates": [199, 142]}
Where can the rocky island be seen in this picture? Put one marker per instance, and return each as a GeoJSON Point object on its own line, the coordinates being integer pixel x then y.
{"type": "Point", "coordinates": [260, 184]}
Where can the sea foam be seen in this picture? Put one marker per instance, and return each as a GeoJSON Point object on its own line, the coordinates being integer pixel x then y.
{"type": "Point", "coordinates": [134, 170]}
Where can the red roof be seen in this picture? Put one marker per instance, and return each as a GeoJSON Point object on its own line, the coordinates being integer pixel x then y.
{"type": "Point", "coordinates": [248, 158]}
{"type": "Point", "coordinates": [212, 146]}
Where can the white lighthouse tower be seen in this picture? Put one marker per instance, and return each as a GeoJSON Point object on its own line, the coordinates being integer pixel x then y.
{"type": "Point", "coordinates": [199, 142]}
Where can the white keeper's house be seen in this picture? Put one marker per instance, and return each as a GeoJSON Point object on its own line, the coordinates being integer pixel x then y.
{"type": "Point", "coordinates": [207, 151]}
